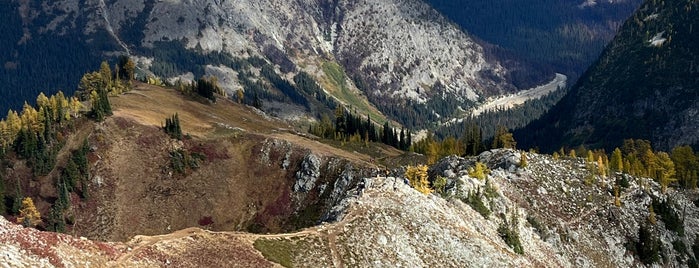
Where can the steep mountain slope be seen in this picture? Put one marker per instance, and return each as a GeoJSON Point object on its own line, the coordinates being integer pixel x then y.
{"type": "Point", "coordinates": [404, 57]}
{"type": "Point", "coordinates": [561, 214]}
{"type": "Point", "coordinates": [645, 85]}
{"type": "Point", "coordinates": [564, 35]}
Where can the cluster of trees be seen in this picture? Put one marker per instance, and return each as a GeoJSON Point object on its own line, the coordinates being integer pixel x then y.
{"type": "Point", "coordinates": [206, 87]}
{"type": "Point", "coordinates": [470, 143]}
{"type": "Point", "coordinates": [172, 58]}
{"type": "Point", "coordinates": [172, 127]}
{"type": "Point", "coordinates": [556, 32]}
{"type": "Point", "coordinates": [514, 118]}
{"type": "Point", "coordinates": [99, 84]}
{"type": "Point", "coordinates": [308, 85]}
{"type": "Point", "coordinates": [351, 127]}
{"type": "Point", "coordinates": [283, 85]}
{"type": "Point", "coordinates": [637, 157]}
{"type": "Point", "coordinates": [58, 60]}
{"type": "Point", "coordinates": [33, 134]}
{"type": "Point", "coordinates": [680, 167]}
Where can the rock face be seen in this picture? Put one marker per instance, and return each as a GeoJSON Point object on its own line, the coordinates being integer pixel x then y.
{"type": "Point", "coordinates": [408, 50]}
{"type": "Point", "coordinates": [308, 174]}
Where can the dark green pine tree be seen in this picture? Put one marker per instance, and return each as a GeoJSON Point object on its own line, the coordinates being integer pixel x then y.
{"type": "Point", "coordinates": [70, 174]}
{"type": "Point", "coordinates": [402, 143]}
{"type": "Point", "coordinates": [101, 108]}
{"type": "Point", "coordinates": [2, 195]}
{"type": "Point", "coordinates": [172, 127]}
{"type": "Point", "coordinates": [386, 137]}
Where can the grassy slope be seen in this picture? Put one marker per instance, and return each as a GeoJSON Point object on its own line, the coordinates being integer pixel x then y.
{"type": "Point", "coordinates": [335, 82]}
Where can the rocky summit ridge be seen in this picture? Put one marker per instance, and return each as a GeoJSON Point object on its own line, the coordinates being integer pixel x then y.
{"type": "Point", "coordinates": [561, 213]}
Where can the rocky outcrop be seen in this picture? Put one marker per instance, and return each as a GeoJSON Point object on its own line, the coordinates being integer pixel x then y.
{"type": "Point", "coordinates": [308, 174]}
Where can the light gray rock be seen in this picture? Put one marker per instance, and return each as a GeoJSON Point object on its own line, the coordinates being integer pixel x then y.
{"type": "Point", "coordinates": [307, 174]}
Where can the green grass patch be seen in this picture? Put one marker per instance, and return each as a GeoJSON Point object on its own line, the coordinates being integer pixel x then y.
{"type": "Point", "coordinates": [280, 251]}
{"type": "Point", "coordinates": [338, 80]}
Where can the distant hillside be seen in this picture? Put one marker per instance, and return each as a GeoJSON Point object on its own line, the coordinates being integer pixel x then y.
{"type": "Point", "coordinates": [33, 59]}
{"type": "Point", "coordinates": [563, 36]}
{"type": "Point", "coordinates": [645, 85]}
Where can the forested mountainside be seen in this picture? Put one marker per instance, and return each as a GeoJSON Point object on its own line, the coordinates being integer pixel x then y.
{"type": "Point", "coordinates": [401, 55]}
{"type": "Point", "coordinates": [38, 55]}
{"type": "Point", "coordinates": [645, 86]}
{"type": "Point", "coordinates": [561, 36]}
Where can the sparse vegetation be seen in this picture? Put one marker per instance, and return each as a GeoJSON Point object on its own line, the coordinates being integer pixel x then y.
{"type": "Point", "coordinates": [474, 200]}
{"type": "Point", "coordinates": [509, 233]}
{"type": "Point", "coordinates": [671, 218]}
{"type": "Point", "coordinates": [648, 246]}
{"type": "Point", "coordinates": [181, 160]}
{"type": "Point", "coordinates": [537, 225]}
{"type": "Point", "coordinates": [439, 184]}
{"type": "Point", "coordinates": [490, 190]}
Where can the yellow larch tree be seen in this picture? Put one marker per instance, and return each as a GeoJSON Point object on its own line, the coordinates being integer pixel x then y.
{"type": "Point", "coordinates": [28, 215]}
{"type": "Point", "coordinates": [417, 176]}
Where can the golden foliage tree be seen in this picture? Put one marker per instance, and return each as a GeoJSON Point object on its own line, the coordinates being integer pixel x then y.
{"type": "Point", "coordinates": [590, 156]}
{"type": "Point", "coordinates": [417, 176]}
{"type": "Point", "coordinates": [479, 171]}
{"type": "Point", "coordinates": [523, 160]}
{"type": "Point", "coordinates": [432, 152]}
{"type": "Point", "coordinates": [572, 153]}
{"type": "Point", "coordinates": [616, 163]}
{"type": "Point", "coordinates": [28, 215]}
{"type": "Point", "coordinates": [239, 95]}
{"type": "Point", "coordinates": [601, 168]}
{"type": "Point", "coordinates": [503, 139]}
{"type": "Point", "coordinates": [617, 200]}
{"type": "Point", "coordinates": [686, 166]}
{"type": "Point", "coordinates": [665, 172]}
